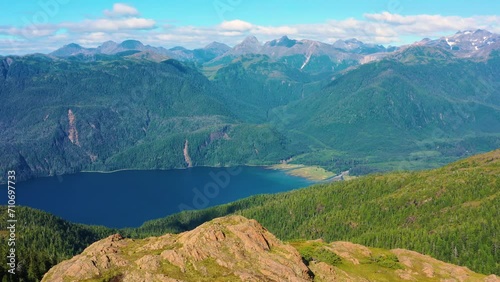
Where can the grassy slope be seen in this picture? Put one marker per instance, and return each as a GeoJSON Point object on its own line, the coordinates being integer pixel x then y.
{"type": "Point", "coordinates": [354, 262]}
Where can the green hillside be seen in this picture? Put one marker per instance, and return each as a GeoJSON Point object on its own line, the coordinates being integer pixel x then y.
{"type": "Point", "coordinates": [43, 240]}
{"type": "Point", "coordinates": [62, 116]}
{"type": "Point", "coordinates": [252, 85]}
{"type": "Point", "coordinates": [423, 112]}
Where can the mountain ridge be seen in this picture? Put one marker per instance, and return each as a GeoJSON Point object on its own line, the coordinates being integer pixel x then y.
{"type": "Point", "coordinates": [467, 44]}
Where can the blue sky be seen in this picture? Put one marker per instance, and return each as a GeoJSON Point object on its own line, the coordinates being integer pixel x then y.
{"type": "Point", "coordinates": [44, 25]}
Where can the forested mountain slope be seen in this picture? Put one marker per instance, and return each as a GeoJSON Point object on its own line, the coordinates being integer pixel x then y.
{"type": "Point", "coordinates": [61, 116]}
{"type": "Point", "coordinates": [420, 109]}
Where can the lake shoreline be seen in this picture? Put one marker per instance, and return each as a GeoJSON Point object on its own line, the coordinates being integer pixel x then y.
{"type": "Point", "coordinates": [297, 170]}
{"type": "Point", "coordinates": [311, 173]}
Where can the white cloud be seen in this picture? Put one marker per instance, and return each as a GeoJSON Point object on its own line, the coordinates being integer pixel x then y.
{"type": "Point", "coordinates": [178, 38]}
{"type": "Point", "coordinates": [29, 31]}
{"type": "Point", "coordinates": [239, 27]}
{"type": "Point", "coordinates": [93, 38]}
{"type": "Point", "coordinates": [429, 25]}
{"type": "Point", "coordinates": [122, 17]}
{"type": "Point", "coordinates": [110, 25]}
{"type": "Point", "coordinates": [121, 10]}
{"type": "Point", "coordinates": [274, 31]}
{"type": "Point", "coordinates": [231, 33]}
{"type": "Point", "coordinates": [235, 25]}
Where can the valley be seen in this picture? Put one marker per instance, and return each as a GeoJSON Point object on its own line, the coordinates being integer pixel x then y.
{"type": "Point", "coordinates": [395, 150]}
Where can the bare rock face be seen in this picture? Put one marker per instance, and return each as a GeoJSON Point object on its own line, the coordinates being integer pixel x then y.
{"type": "Point", "coordinates": [234, 248]}
{"type": "Point", "coordinates": [93, 262]}
{"type": "Point", "coordinates": [419, 267]}
{"type": "Point", "coordinates": [243, 246]}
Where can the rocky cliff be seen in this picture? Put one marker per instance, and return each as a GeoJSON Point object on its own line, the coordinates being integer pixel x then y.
{"type": "Point", "coordinates": [238, 249]}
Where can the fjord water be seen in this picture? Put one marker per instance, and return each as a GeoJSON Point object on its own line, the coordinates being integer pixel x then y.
{"type": "Point", "coordinates": [128, 198]}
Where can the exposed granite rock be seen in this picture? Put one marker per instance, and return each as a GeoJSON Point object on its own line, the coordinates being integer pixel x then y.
{"type": "Point", "coordinates": [234, 248]}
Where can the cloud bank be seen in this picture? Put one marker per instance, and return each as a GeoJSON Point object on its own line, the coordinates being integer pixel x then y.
{"type": "Point", "coordinates": [123, 22]}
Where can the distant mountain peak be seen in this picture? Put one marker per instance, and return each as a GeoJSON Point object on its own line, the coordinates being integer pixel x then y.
{"type": "Point", "coordinates": [477, 32]}
{"type": "Point", "coordinates": [482, 31]}
{"type": "Point", "coordinates": [250, 40]}
{"type": "Point", "coordinates": [284, 41]}
{"type": "Point", "coordinates": [177, 48]}
{"type": "Point", "coordinates": [107, 47]}
{"type": "Point", "coordinates": [73, 45]}
{"type": "Point", "coordinates": [109, 42]}
{"type": "Point", "coordinates": [249, 45]}
{"type": "Point", "coordinates": [70, 50]}
{"type": "Point", "coordinates": [347, 44]}
{"type": "Point", "coordinates": [131, 44]}
{"type": "Point", "coordinates": [467, 43]}
{"type": "Point", "coordinates": [353, 40]}
{"type": "Point", "coordinates": [353, 45]}
{"type": "Point", "coordinates": [217, 45]}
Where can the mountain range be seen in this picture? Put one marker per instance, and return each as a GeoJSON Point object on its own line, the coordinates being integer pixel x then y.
{"type": "Point", "coordinates": [136, 48]}
{"type": "Point", "coordinates": [343, 106]}
{"type": "Point", "coordinates": [478, 43]}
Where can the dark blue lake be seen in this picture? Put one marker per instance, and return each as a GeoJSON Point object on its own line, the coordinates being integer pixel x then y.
{"type": "Point", "coordinates": [128, 198]}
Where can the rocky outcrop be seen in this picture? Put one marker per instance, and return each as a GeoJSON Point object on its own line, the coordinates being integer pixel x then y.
{"type": "Point", "coordinates": [72, 131]}
{"type": "Point", "coordinates": [96, 260]}
{"type": "Point", "coordinates": [185, 151]}
{"type": "Point", "coordinates": [238, 249]}
{"type": "Point", "coordinates": [232, 247]}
